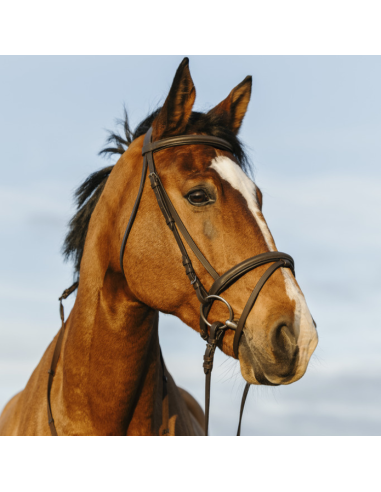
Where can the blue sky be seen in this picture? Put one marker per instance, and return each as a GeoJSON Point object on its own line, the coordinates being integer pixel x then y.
{"type": "Point", "coordinates": [313, 131]}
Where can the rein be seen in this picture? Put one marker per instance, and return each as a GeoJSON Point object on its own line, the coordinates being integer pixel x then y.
{"type": "Point", "coordinates": [56, 354]}
{"type": "Point", "coordinates": [221, 283]}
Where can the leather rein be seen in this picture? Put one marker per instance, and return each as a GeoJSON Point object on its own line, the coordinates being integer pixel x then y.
{"type": "Point", "coordinates": [221, 282]}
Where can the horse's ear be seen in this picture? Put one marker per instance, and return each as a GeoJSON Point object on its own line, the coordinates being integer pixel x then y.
{"type": "Point", "coordinates": [174, 115]}
{"type": "Point", "coordinates": [232, 109]}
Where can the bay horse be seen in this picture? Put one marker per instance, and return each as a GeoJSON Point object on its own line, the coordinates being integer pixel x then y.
{"type": "Point", "coordinates": [109, 378]}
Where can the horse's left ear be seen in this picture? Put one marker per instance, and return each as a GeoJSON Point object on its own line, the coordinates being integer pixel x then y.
{"type": "Point", "coordinates": [232, 109]}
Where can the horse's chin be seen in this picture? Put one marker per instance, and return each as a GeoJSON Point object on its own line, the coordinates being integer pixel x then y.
{"type": "Point", "coordinates": [252, 371]}
{"type": "Point", "coordinates": [250, 367]}
{"type": "Point", "coordinates": [284, 368]}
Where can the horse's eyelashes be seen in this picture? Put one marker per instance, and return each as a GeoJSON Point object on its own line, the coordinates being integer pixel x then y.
{"type": "Point", "coordinates": [198, 197]}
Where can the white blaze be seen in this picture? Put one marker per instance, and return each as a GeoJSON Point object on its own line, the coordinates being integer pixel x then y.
{"type": "Point", "coordinates": [233, 174]}
{"type": "Point", "coordinates": [304, 327]}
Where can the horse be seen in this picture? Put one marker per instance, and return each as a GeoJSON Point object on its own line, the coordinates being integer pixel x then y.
{"type": "Point", "coordinates": [110, 378]}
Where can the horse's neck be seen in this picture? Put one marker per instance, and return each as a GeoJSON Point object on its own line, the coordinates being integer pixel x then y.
{"type": "Point", "coordinates": [110, 363]}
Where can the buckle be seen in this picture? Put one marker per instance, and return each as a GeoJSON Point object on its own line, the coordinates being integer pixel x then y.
{"type": "Point", "coordinates": [194, 280]}
{"type": "Point", "coordinates": [154, 179]}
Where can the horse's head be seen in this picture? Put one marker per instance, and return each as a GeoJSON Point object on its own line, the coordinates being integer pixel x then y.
{"type": "Point", "coordinates": [222, 209]}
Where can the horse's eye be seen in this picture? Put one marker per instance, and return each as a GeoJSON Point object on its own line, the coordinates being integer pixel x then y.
{"type": "Point", "coordinates": [198, 197]}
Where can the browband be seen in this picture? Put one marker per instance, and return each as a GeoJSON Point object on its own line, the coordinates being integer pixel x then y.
{"type": "Point", "coordinates": [217, 142]}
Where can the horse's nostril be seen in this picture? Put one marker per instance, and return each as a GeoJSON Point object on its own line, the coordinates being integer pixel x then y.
{"type": "Point", "coordinates": [284, 340]}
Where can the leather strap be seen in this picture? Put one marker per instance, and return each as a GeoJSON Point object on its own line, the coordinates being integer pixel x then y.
{"type": "Point", "coordinates": [133, 214]}
{"type": "Point", "coordinates": [251, 301]}
{"type": "Point", "coordinates": [188, 238]}
{"type": "Point", "coordinates": [214, 336]}
{"type": "Point", "coordinates": [238, 271]}
{"type": "Point", "coordinates": [51, 373]}
{"type": "Point", "coordinates": [165, 397]}
{"type": "Point", "coordinates": [56, 355]}
{"type": "Point", "coordinates": [243, 401]}
{"type": "Point", "coordinates": [235, 273]}
{"type": "Point", "coordinates": [175, 223]}
{"type": "Point", "coordinates": [163, 199]}
{"type": "Point", "coordinates": [166, 143]}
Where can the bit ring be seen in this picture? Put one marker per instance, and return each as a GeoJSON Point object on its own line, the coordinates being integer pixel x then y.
{"type": "Point", "coordinates": [217, 298]}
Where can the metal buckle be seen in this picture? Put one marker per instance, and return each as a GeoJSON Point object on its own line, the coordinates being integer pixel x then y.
{"type": "Point", "coordinates": [154, 179]}
{"type": "Point", "coordinates": [194, 280]}
{"type": "Point", "coordinates": [228, 323]}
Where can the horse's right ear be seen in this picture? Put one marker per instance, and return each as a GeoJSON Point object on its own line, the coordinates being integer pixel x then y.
{"type": "Point", "coordinates": [174, 115]}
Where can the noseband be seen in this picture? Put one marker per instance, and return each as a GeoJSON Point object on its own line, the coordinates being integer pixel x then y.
{"type": "Point", "coordinates": [221, 283]}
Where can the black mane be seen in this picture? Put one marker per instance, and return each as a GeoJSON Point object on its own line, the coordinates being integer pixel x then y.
{"type": "Point", "coordinates": [88, 194]}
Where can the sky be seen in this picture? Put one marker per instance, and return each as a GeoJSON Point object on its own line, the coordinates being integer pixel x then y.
{"type": "Point", "coordinates": [313, 134]}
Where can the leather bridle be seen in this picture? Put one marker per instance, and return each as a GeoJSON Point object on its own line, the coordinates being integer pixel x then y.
{"type": "Point", "coordinates": [206, 298]}
{"type": "Point", "coordinates": [221, 283]}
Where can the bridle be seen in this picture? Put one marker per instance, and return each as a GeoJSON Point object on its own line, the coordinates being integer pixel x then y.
{"type": "Point", "coordinates": [206, 298]}
{"type": "Point", "coordinates": [221, 283]}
